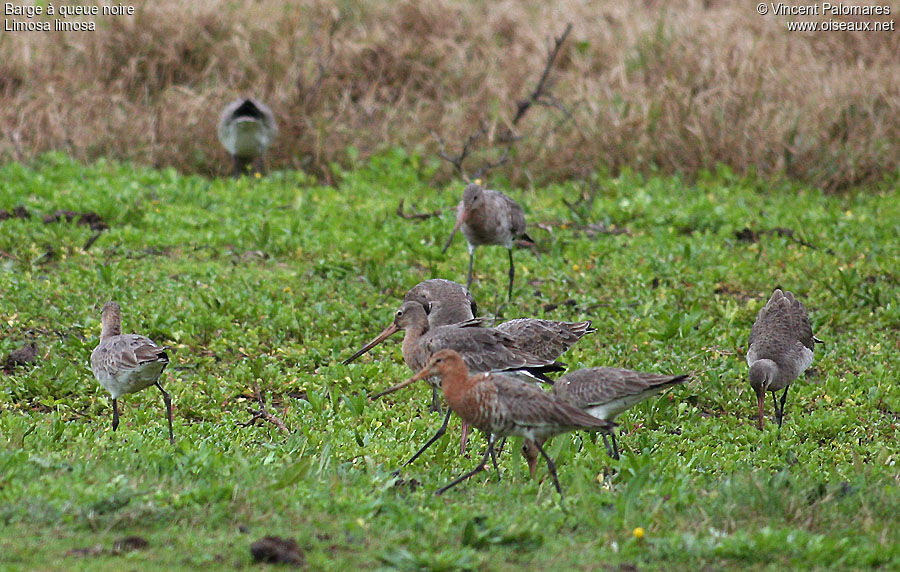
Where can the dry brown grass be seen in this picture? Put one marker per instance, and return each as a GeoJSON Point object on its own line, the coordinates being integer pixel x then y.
{"type": "Point", "coordinates": [650, 85]}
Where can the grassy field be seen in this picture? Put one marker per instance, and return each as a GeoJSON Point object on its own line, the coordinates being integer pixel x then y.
{"type": "Point", "coordinates": [275, 280]}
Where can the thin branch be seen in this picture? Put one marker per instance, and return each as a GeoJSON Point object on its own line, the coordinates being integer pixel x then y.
{"type": "Point", "coordinates": [489, 165]}
{"type": "Point", "coordinates": [539, 96]}
{"type": "Point", "coordinates": [263, 413]}
{"type": "Point", "coordinates": [91, 240]}
{"type": "Point", "coordinates": [415, 215]}
{"type": "Point", "coordinates": [457, 160]}
{"type": "Point", "coordinates": [540, 89]}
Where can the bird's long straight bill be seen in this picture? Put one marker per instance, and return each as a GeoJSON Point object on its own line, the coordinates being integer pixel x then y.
{"type": "Point", "coordinates": [761, 401]}
{"type": "Point", "coordinates": [421, 375]}
{"type": "Point", "coordinates": [386, 333]}
{"type": "Point", "coordinates": [460, 218]}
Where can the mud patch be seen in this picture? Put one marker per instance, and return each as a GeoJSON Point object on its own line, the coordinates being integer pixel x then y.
{"type": "Point", "coordinates": [276, 550]}
{"type": "Point", "coordinates": [89, 218]}
{"type": "Point", "coordinates": [22, 357]}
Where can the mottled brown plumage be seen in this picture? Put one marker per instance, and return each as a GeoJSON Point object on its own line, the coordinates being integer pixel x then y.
{"type": "Point", "coordinates": [604, 392]}
{"type": "Point", "coordinates": [447, 303]}
{"type": "Point", "coordinates": [484, 349]}
{"type": "Point", "coordinates": [501, 406]}
{"type": "Point", "coordinates": [780, 349]}
{"type": "Point", "coordinates": [488, 217]}
{"type": "Point", "coordinates": [548, 339]}
{"type": "Point", "coordinates": [127, 363]}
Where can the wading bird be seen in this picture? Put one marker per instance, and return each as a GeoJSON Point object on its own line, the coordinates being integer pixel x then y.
{"type": "Point", "coordinates": [246, 128]}
{"type": "Point", "coordinates": [488, 217]}
{"type": "Point", "coordinates": [501, 406]}
{"type": "Point", "coordinates": [781, 348]}
{"type": "Point", "coordinates": [127, 363]}
{"type": "Point", "coordinates": [604, 392]}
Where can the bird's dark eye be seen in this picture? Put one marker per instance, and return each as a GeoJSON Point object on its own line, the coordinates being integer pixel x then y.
{"type": "Point", "coordinates": [428, 308]}
{"type": "Point", "coordinates": [399, 313]}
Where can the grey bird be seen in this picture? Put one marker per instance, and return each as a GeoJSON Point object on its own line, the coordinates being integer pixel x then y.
{"type": "Point", "coordinates": [781, 348]}
{"type": "Point", "coordinates": [445, 301]}
{"type": "Point", "coordinates": [127, 363]}
{"type": "Point", "coordinates": [246, 128]}
{"type": "Point", "coordinates": [605, 393]}
{"type": "Point", "coordinates": [488, 217]}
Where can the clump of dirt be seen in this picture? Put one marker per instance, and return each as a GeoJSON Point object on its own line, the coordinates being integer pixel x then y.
{"type": "Point", "coordinates": [276, 550]}
{"type": "Point", "coordinates": [23, 356]}
{"type": "Point", "coordinates": [89, 218]}
{"type": "Point", "coordinates": [17, 212]}
{"type": "Point", "coordinates": [129, 544]}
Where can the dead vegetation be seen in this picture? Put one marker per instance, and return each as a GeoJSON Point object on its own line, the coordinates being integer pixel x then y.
{"type": "Point", "coordinates": [638, 84]}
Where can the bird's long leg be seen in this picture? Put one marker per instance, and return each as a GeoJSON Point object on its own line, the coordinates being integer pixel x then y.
{"type": "Point", "coordinates": [168, 401]}
{"type": "Point", "coordinates": [614, 450]}
{"type": "Point", "coordinates": [240, 167]}
{"type": "Point", "coordinates": [493, 455]}
{"type": "Point", "coordinates": [115, 414]}
{"type": "Point", "coordinates": [471, 265]}
{"type": "Point", "coordinates": [435, 401]}
{"type": "Point", "coordinates": [552, 466]}
{"type": "Point", "coordinates": [474, 471]}
{"type": "Point", "coordinates": [780, 411]}
{"type": "Point", "coordinates": [775, 403]}
{"type": "Point", "coordinates": [512, 273]}
{"type": "Point", "coordinates": [438, 435]}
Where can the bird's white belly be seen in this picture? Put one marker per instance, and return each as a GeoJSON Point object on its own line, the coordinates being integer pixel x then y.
{"type": "Point", "coordinates": [610, 410]}
{"type": "Point", "coordinates": [132, 381]}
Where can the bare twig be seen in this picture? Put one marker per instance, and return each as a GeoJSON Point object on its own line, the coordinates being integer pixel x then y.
{"type": "Point", "coordinates": [540, 95]}
{"type": "Point", "coordinates": [540, 90]}
{"type": "Point", "coordinates": [493, 165]}
{"type": "Point", "coordinates": [415, 215]}
{"type": "Point", "coordinates": [91, 240]}
{"type": "Point", "coordinates": [457, 160]}
{"type": "Point", "coordinates": [262, 412]}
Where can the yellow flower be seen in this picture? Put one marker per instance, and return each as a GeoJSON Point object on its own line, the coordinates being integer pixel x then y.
{"type": "Point", "coordinates": [638, 533]}
{"type": "Point", "coordinates": [576, 268]}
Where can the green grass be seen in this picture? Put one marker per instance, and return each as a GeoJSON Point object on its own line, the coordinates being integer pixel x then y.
{"type": "Point", "coordinates": [278, 279]}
